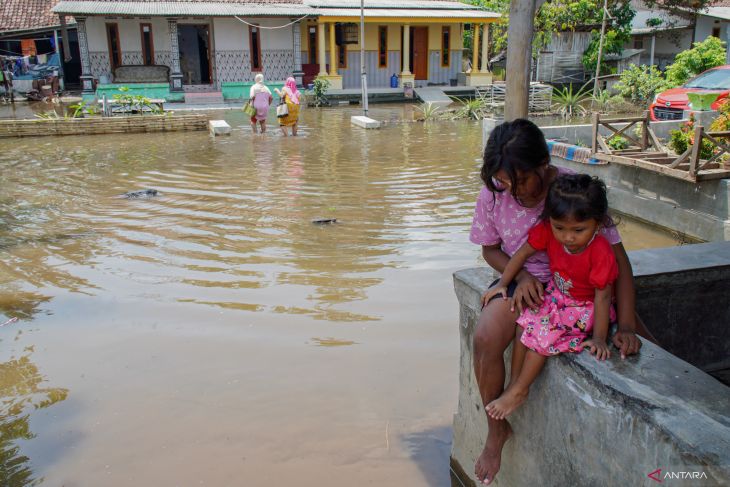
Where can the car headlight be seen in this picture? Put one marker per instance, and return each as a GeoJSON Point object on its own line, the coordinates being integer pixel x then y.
{"type": "Point", "coordinates": [689, 105]}
{"type": "Point", "coordinates": [656, 98]}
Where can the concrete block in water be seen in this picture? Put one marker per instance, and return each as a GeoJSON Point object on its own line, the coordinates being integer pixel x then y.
{"type": "Point", "coordinates": [364, 122]}
{"type": "Point", "coordinates": [219, 127]}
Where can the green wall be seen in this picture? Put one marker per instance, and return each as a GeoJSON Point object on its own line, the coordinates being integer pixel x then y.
{"type": "Point", "coordinates": [239, 90]}
{"type": "Point", "coordinates": [150, 90]}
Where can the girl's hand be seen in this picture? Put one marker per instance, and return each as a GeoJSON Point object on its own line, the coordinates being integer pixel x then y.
{"type": "Point", "coordinates": [493, 292]}
{"type": "Point", "coordinates": [529, 291]}
{"type": "Point", "coordinates": [627, 342]}
{"type": "Point", "coordinates": [599, 347]}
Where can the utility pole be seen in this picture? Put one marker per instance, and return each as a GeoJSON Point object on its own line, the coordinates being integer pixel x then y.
{"type": "Point", "coordinates": [363, 75]}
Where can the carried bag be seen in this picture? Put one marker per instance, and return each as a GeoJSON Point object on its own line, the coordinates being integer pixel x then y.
{"type": "Point", "coordinates": [249, 109]}
{"type": "Point", "coordinates": [282, 110]}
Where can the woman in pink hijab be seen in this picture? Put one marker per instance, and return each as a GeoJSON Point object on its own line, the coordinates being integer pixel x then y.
{"type": "Point", "coordinates": [290, 94]}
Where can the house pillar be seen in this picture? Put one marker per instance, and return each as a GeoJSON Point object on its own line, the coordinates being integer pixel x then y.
{"type": "Point", "coordinates": [321, 26]}
{"type": "Point", "coordinates": [485, 50]}
{"type": "Point", "coordinates": [297, 43]}
{"type": "Point", "coordinates": [334, 78]}
{"type": "Point", "coordinates": [333, 51]}
{"type": "Point", "coordinates": [87, 79]}
{"type": "Point", "coordinates": [475, 49]}
{"type": "Point", "coordinates": [480, 77]}
{"type": "Point", "coordinates": [405, 75]}
{"type": "Point", "coordinates": [175, 75]}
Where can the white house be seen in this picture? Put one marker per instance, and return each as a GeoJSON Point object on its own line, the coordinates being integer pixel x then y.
{"type": "Point", "coordinates": [209, 45]}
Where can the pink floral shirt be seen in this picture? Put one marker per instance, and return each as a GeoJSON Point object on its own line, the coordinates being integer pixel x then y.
{"type": "Point", "coordinates": [500, 219]}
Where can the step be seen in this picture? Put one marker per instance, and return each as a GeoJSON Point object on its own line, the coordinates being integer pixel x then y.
{"type": "Point", "coordinates": [434, 96]}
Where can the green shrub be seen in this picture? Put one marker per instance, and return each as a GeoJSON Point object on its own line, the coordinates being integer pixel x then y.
{"type": "Point", "coordinates": [703, 56]}
{"type": "Point", "coordinates": [618, 143]}
{"type": "Point", "coordinates": [680, 140]}
{"type": "Point", "coordinates": [319, 90]}
{"type": "Point", "coordinates": [569, 103]}
{"type": "Point", "coordinates": [640, 83]}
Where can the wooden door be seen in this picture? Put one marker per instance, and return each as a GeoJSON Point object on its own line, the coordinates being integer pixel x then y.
{"type": "Point", "coordinates": [419, 47]}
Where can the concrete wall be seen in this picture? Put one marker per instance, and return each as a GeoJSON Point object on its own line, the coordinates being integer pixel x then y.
{"type": "Point", "coordinates": [610, 423]}
{"type": "Point", "coordinates": [704, 27]}
{"type": "Point", "coordinates": [698, 210]}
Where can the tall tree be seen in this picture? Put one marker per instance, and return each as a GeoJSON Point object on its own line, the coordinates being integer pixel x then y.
{"type": "Point", "coordinates": [519, 57]}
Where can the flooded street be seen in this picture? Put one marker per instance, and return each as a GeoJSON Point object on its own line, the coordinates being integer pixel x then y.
{"type": "Point", "coordinates": [214, 335]}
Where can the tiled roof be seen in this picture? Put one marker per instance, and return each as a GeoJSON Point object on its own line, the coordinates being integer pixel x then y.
{"type": "Point", "coordinates": [216, 8]}
{"type": "Point", "coordinates": [267, 8]}
{"type": "Point", "coordinates": [27, 14]}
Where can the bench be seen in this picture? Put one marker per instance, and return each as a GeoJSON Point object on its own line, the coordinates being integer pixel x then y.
{"type": "Point", "coordinates": [141, 74]}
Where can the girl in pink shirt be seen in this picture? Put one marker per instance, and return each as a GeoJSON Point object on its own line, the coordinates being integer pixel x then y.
{"type": "Point", "coordinates": [516, 174]}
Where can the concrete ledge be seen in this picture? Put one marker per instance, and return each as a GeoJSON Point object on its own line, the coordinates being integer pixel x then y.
{"type": "Point", "coordinates": [219, 127]}
{"type": "Point", "coordinates": [364, 122]}
{"type": "Point", "coordinates": [610, 423]}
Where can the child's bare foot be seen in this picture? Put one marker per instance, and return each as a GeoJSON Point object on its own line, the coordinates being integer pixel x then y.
{"type": "Point", "coordinates": [510, 400]}
{"type": "Point", "coordinates": [489, 461]}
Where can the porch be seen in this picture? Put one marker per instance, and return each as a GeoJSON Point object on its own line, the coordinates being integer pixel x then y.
{"type": "Point", "coordinates": [418, 43]}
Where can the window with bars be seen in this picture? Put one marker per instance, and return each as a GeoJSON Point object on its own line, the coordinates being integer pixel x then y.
{"type": "Point", "coordinates": [255, 46]}
{"type": "Point", "coordinates": [148, 47]}
{"type": "Point", "coordinates": [445, 46]}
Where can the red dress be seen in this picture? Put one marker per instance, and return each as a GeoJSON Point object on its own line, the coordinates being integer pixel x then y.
{"type": "Point", "coordinates": [565, 318]}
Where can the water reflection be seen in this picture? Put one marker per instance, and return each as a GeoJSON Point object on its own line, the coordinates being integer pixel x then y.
{"type": "Point", "coordinates": [20, 394]}
{"type": "Point", "coordinates": [233, 218]}
{"type": "Point", "coordinates": [231, 227]}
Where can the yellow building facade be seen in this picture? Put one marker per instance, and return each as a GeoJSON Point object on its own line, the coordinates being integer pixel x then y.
{"type": "Point", "coordinates": [430, 54]}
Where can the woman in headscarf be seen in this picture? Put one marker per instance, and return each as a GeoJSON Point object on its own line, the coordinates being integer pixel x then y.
{"type": "Point", "coordinates": [261, 100]}
{"type": "Point", "coordinates": [290, 95]}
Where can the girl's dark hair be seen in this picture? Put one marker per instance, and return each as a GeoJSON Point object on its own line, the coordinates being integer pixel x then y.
{"type": "Point", "coordinates": [577, 196]}
{"type": "Point", "coordinates": [516, 146]}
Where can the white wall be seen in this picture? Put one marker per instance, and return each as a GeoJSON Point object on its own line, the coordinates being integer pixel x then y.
{"type": "Point", "coordinates": [233, 35]}
{"type": "Point", "coordinates": [130, 37]}
{"type": "Point", "coordinates": [705, 25]}
{"type": "Point", "coordinates": [230, 35]}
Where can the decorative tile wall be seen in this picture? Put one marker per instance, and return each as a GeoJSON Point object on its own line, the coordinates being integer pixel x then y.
{"type": "Point", "coordinates": [278, 64]}
{"type": "Point", "coordinates": [100, 66]}
{"type": "Point", "coordinates": [132, 58]}
{"type": "Point", "coordinates": [236, 65]}
{"type": "Point", "coordinates": [233, 66]}
{"type": "Point", "coordinates": [164, 58]}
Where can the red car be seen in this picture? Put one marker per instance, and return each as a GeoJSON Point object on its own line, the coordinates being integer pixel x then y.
{"type": "Point", "coordinates": [669, 105]}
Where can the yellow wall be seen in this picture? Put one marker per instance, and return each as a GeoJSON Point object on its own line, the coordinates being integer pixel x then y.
{"type": "Point", "coordinates": [394, 36]}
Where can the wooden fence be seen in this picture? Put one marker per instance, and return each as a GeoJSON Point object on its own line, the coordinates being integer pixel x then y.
{"type": "Point", "coordinates": [105, 125]}
{"type": "Point", "coordinates": [647, 152]}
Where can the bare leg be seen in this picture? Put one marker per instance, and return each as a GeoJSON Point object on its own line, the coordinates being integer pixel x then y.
{"type": "Point", "coordinates": [263, 126]}
{"type": "Point", "coordinates": [294, 129]}
{"type": "Point", "coordinates": [518, 356]}
{"type": "Point", "coordinates": [517, 392]}
{"type": "Point", "coordinates": [253, 127]}
{"type": "Point", "coordinates": [495, 330]}
{"type": "Point", "coordinates": [283, 130]}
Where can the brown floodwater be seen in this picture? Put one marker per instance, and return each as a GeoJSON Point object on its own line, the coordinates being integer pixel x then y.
{"type": "Point", "coordinates": [214, 335]}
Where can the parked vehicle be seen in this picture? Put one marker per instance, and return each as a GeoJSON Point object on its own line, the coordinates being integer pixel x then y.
{"type": "Point", "coordinates": [669, 105]}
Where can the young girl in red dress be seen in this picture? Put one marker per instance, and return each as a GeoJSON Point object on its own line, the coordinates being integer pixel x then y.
{"type": "Point", "coordinates": [576, 307]}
